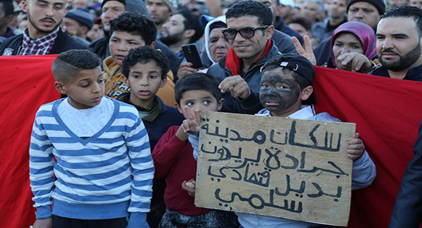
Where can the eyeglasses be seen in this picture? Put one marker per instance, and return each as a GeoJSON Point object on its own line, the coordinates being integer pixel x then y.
{"type": "Point", "coordinates": [246, 33]}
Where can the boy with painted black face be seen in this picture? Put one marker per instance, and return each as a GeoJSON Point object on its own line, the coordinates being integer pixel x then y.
{"type": "Point", "coordinates": [286, 84]}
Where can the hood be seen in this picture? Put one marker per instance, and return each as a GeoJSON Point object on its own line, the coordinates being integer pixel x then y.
{"type": "Point", "coordinates": [207, 34]}
{"type": "Point", "coordinates": [110, 67]}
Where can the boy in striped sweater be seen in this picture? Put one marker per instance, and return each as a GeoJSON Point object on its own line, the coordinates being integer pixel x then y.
{"type": "Point", "coordinates": [89, 153]}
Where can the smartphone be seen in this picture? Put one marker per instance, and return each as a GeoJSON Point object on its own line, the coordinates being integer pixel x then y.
{"type": "Point", "coordinates": [192, 55]}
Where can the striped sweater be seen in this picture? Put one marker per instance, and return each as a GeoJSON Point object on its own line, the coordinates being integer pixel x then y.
{"type": "Point", "coordinates": [108, 175]}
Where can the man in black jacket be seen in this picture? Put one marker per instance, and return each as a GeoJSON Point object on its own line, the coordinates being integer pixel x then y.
{"type": "Point", "coordinates": [407, 210]}
{"type": "Point", "coordinates": [43, 35]}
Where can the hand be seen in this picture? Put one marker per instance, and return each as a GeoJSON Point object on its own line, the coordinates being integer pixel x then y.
{"type": "Point", "coordinates": [43, 223]}
{"type": "Point", "coordinates": [192, 119]}
{"type": "Point", "coordinates": [185, 69]}
{"type": "Point", "coordinates": [354, 62]}
{"type": "Point", "coordinates": [355, 148]}
{"type": "Point", "coordinates": [306, 52]}
{"type": "Point", "coordinates": [237, 85]}
{"type": "Point", "coordinates": [189, 186]}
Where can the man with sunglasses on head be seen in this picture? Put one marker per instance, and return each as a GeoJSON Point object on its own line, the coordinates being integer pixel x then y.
{"type": "Point", "coordinates": [249, 31]}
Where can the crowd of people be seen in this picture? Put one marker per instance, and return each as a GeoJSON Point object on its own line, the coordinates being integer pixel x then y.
{"type": "Point", "coordinates": [119, 149]}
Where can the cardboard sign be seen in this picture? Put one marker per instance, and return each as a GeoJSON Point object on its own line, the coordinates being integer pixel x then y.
{"type": "Point", "coordinates": [273, 166]}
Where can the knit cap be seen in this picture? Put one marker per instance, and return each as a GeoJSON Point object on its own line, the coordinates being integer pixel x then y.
{"type": "Point", "coordinates": [170, 5]}
{"type": "Point", "coordinates": [379, 4]}
{"type": "Point", "coordinates": [81, 16]}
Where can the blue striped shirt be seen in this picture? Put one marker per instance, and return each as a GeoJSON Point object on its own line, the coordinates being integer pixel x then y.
{"type": "Point", "coordinates": [108, 175]}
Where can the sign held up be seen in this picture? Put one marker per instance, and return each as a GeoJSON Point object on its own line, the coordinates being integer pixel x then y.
{"type": "Point", "coordinates": [295, 169]}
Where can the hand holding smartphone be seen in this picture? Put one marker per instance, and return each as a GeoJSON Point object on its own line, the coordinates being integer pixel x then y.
{"type": "Point", "coordinates": [192, 55]}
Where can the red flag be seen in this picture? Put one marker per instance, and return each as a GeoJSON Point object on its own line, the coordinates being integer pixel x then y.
{"type": "Point", "coordinates": [387, 113]}
{"type": "Point", "coordinates": [27, 83]}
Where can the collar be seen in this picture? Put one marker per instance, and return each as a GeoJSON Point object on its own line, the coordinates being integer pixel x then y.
{"type": "Point", "coordinates": [48, 37]}
{"type": "Point", "coordinates": [305, 112]}
{"type": "Point", "coordinates": [233, 61]}
{"type": "Point", "coordinates": [146, 115]}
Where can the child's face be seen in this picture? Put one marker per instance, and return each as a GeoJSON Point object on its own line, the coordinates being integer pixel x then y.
{"type": "Point", "coordinates": [280, 93]}
{"type": "Point", "coordinates": [120, 44]}
{"type": "Point", "coordinates": [144, 81]}
{"type": "Point", "coordinates": [199, 100]}
{"type": "Point", "coordinates": [85, 90]}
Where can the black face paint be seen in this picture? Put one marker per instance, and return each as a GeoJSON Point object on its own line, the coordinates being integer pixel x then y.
{"type": "Point", "coordinates": [279, 92]}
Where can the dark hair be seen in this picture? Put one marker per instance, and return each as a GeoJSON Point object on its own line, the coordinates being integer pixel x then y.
{"type": "Point", "coordinates": [69, 63]}
{"type": "Point", "coordinates": [8, 7]}
{"type": "Point", "coordinates": [303, 21]}
{"type": "Point", "coordinates": [218, 24]}
{"type": "Point", "coordinates": [145, 55]}
{"type": "Point", "coordinates": [191, 21]}
{"type": "Point", "coordinates": [408, 12]}
{"type": "Point", "coordinates": [197, 81]}
{"type": "Point", "coordinates": [251, 8]}
{"type": "Point", "coordinates": [135, 24]}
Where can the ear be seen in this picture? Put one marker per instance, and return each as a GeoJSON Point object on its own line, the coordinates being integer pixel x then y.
{"type": "Point", "coordinates": [163, 82]}
{"type": "Point", "coordinates": [189, 33]}
{"type": "Point", "coordinates": [152, 44]}
{"type": "Point", "coordinates": [60, 87]}
{"type": "Point", "coordinates": [220, 104]}
{"type": "Point", "coordinates": [269, 32]}
{"type": "Point", "coordinates": [84, 30]}
{"type": "Point", "coordinates": [25, 6]}
{"type": "Point", "coordinates": [127, 81]}
{"type": "Point", "coordinates": [9, 18]}
{"type": "Point", "coordinates": [306, 93]}
{"type": "Point", "coordinates": [179, 108]}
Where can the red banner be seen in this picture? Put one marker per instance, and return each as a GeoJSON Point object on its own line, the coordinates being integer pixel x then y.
{"type": "Point", "coordinates": [387, 113]}
{"type": "Point", "coordinates": [26, 84]}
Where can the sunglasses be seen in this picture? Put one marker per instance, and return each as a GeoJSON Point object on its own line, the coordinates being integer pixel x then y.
{"type": "Point", "coordinates": [246, 33]}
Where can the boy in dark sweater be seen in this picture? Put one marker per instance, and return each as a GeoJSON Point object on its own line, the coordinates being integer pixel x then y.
{"type": "Point", "coordinates": [145, 70]}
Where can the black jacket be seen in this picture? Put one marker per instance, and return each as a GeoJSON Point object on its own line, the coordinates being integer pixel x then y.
{"type": "Point", "coordinates": [322, 51]}
{"type": "Point", "coordinates": [414, 74]}
{"type": "Point", "coordinates": [62, 43]}
{"type": "Point", "coordinates": [407, 211]}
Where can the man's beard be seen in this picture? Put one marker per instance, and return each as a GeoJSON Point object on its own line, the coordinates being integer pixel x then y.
{"type": "Point", "coordinates": [42, 30]}
{"type": "Point", "coordinates": [405, 61]}
{"type": "Point", "coordinates": [171, 39]}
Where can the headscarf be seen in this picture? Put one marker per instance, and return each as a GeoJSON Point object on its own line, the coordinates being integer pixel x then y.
{"type": "Point", "coordinates": [207, 34]}
{"type": "Point", "coordinates": [363, 32]}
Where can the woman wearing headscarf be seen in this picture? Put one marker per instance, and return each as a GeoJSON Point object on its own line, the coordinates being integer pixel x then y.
{"type": "Point", "coordinates": [353, 41]}
{"type": "Point", "coordinates": [352, 48]}
{"type": "Point", "coordinates": [216, 46]}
